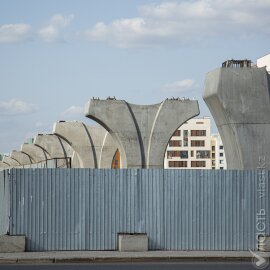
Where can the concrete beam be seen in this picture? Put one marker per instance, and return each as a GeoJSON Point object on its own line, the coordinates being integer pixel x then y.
{"type": "Point", "coordinates": [55, 146]}
{"type": "Point", "coordinates": [10, 161]}
{"type": "Point", "coordinates": [36, 153]}
{"type": "Point", "coordinates": [239, 100]}
{"type": "Point", "coordinates": [141, 131]}
{"type": "Point", "coordinates": [94, 146]}
{"type": "Point", "coordinates": [21, 157]}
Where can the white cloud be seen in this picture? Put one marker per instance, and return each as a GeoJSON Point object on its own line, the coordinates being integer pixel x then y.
{"type": "Point", "coordinates": [186, 85]}
{"type": "Point", "coordinates": [16, 107]}
{"type": "Point", "coordinates": [73, 111]}
{"type": "Point", "coordinates": [13, 33]}
{"type": "Point", "coordinates": [182, 22]}
{"type": "Point", "coordinates": [52, 31]}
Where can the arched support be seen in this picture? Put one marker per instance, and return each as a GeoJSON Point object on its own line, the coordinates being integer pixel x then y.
{"type": "Point", "coordinates": [142, 131]}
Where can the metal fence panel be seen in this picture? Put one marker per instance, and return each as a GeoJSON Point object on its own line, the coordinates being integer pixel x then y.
{"type": "Point", "coordinates": [85, 209]}
{"type": "Point", "coordinates": [4, 202]}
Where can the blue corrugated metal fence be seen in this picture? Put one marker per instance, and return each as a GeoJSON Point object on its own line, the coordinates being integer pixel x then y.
{"type": "Point", "coordinates": [85, 209]}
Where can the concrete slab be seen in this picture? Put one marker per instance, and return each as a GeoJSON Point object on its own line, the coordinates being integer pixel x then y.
{"type": "Point", "coordinates": [141, 131]}
{"type": "Point", "coordinates": [12, 243]}
{"type": "Point", "coordinates": [239, 100]}
{"type": "Point", "coordinates": [94, 146]}
{"type": "Point", "coordinates": [132, 242]}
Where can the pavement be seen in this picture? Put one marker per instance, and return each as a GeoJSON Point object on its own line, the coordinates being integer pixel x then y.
{"type": "Point", "coordinates": [116, 256]}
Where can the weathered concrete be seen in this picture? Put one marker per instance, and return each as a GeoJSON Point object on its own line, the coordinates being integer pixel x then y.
{"type": "Point", "coordinates": [3, 165]}
{"type": "Point", "coordinates": [132, 242]}
{"type": "Point", "coordinates": [141, 131]}
{"type": "Point", "coordinates": [21, 157]}
{"type": "Point", "coordinates": [94, 146]}
{"type": "Point", "coordinates": [239, 100]}
{"type": "Point", "coordinates": [55, 146]}
{"type": "Point", "coordinates": [10, 161]}
{"type": "Point", "coordinates": [12, 243]}
{"type": "Point", "coordinates": [36, 153]}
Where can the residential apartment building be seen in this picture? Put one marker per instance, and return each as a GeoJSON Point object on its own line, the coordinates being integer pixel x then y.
{"type": "Point", "coordinates": [193, 147]}
{"type": "Point", "coordinates": [217, 153]}
{"type": "Point", "coordinates": [190, 146]}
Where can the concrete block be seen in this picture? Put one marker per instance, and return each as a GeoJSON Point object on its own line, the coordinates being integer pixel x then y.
{"type": "Point", "coordinates": [264, 243]}
{"type": "Point", "coordinates": [10, 243]}
{"type": "Point", "coordinates": [132, 242]}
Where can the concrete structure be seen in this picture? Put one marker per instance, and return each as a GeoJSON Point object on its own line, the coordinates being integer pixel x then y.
{"type": "Point", "coordinates": [12, 244]}
{"type": "Point", "coordinates": [141, 131]}
{"type": "Point", "coordinates": [189, 146]}
{"type": "Point", "coordinates": [93, 145]}
{"type": "Point", "coordinates": [56, 147]}
{"type": "Point", "coordinates": [10, 161]}
{"type": "Point", "coordinates": [36, 153]}
{"type": "Point", "coordinates": [21, 157]}
{"type": "Point", "coordinates": [217, 153]}
{"type": "Point", "coordinates": [264, 62]}
{"type": "Point", "coordinates": [239, 100]}
{"type": "Point", "coordinates": [3, 165]}
{"type": "Point", "coordinates": [132, 242]}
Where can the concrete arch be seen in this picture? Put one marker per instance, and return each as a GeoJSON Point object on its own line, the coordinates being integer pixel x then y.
{"type": "Point", "coordinates": [142, 131]}
{"type": "Point", "coordinates": [10, 161]}
{"type": "Point", "coordinates": [55, 146]}
{"type": "Point", "coordinates": [239, 100]}
{"type": "Point", "coordinates": [91, 143]}
{"type": "Point", "coordinates": [36, 153]}
{"type": "Point", "coordinates": [21, 157]}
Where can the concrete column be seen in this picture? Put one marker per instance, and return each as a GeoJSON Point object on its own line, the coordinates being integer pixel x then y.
{"type": "Point", "coordinates": [142, 131]}
{"type": "Point", "coordinates": [239, 100]}
{"type": "Point", "coordinates": [36, 153]}
{"type": "Point", "coordinates": [93, 145]}
{"type": "Point", "coordinates": [55, 146]}
{"type": "Point", "coordinates": [21, 157]}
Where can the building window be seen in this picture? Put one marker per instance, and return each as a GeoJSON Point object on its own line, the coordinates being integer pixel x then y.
{"type": "Point", "coordinates": [197, 164]}
{"type": "Point", "coordinates": [202, 154]}
{"type": "Point", "coordinates": [213, 163]}
{"type": "Point", "coordinates": [192, 153]}
{"type": "Point", "coordinates": [177, 133]}
{"type": "Point", "coordinates": [213, 148]}
{"type": "Point", "coordinates": [175, 143]}
{"type": "Point", "coordinates": [221, 154]}
{"type": "Point", "coordinates": [198, 132]}
{"type": "Point", "coordinates": [221, 147]}
{"type": "Point", "coordinates": [177, 164]}
{"type": "Point", "coordinates": [184, 154]}
{"type": "Point", "coordinates": [185, 133]}
{"type": "Point", "coordinates": [221, 161]}
{"type": "Point", "coordinates": [213, 155]}
{"type": "Point", "coordinates": [185, 141]}
{"type": "Point", "coordinates": [221, 168]}
{"type": "Point", "coordinates": [197, 143]}
{"type": "Point", "coordinates": [171, 154]}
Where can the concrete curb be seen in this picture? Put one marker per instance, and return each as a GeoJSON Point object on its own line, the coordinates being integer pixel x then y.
{"type": "Point", "coordinates": [123, 257]}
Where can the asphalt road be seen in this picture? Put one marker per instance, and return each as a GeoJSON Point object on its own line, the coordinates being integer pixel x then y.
{"type": "Point", "coordinates": [141, 266]}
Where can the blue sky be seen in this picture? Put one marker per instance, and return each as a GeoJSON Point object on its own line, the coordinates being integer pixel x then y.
{"type": "Point", "coordinates": [56, 55]}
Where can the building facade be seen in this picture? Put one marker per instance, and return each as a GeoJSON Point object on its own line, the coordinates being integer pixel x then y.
{"type": "Point", "coordinates": [190, 146]}
{"type": "Point", "coordinates": [264, 62]}
{"type": "Point", "coordinates": [217, 153]}
{"type": "Point", "coordinates": [193, 147]}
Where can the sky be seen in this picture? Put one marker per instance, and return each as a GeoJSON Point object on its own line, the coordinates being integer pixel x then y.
{"type": "Point", "coordinates": [55, 55]}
